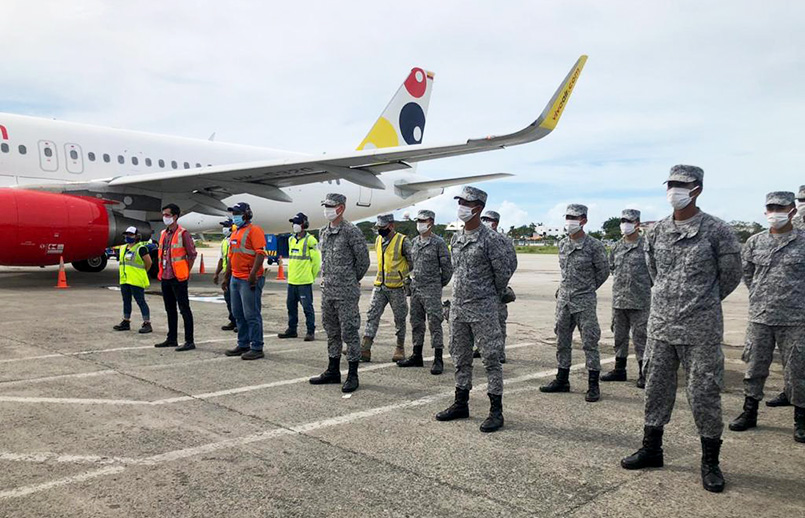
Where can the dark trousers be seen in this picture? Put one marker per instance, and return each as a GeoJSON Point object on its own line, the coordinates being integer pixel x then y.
{"type": "Point", "coordinates": [228, 299]}
{"type": "Point", "coordinates": [128, 291]}
{"type": "Point", "coordinates": [301, 294]}
{"type": "Point", "coordinates": [174, 292]}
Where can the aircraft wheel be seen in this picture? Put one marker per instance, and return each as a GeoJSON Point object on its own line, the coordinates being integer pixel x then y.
{"type": "Point", "coordinates": [91, 265]}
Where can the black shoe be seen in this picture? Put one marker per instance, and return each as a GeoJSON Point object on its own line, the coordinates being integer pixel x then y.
{"type": "Point", "coordinates": [310, 337]}
{"type": "Point", "coordinates": [494, 422]}
{"type": "Point", "coordinates": [460, 409]}
{"type": "Point", "coordinates": [438, 363]}
{"type": "Point", "coordinates": [145, 328]}
{"type": "Point", "coordinates": [125, 325]}
{"type": "Point", "coordinates": [593, 391]}
{"type": "Point", "coordinates": [415, 360]}
{"type": "Point", "coordinates": [476, 353]}
{"type": "Point", "coordinates": [167, 343]}
{"type": "Point", "coordinates": [799, 424]}
{"type": "Point", "coordinates": [187, 346]}
{"type": "Point", "coordinates": [712, 478]}
{"type": "Point", "coordinates": [559, 384]}
{"type": "Point", "coordinates": [618, 373]}
{"type": "Point", "coordinates": [229, 327]}
{"type": "Point", "coordinates": [748, 418]}
{"type": "Point", "coordinates": [288, 334]}
{"type": "Point", "coordinates": [237, 351]}
{"type": "Point", "coordinates": [503, 358]}
{"type": "Point", "coordinates": [331, 375]}
{"type": "Point", "coordinates": [251, 354]}
{"type": "Point", "coordinates": [641, 377]}
{"type": "Point", "coordinates": [351, 385]}
{"type": "Point", "coordinates": [650, 455]}
{"type": "Point", "coordinates": [780, 400]}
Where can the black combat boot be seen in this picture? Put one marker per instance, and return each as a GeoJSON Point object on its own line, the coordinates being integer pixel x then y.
{"type": "Point", "coordinates": [799, 424]}
{"type": "Point", "coordinates": [438, 363]}
{"type": "Point", "coordinates": [641, 377]}
{"type": "Point", "coordinates": [460, 409]}
{"type": "Point", "coordinates": [351, 385]}
{"type": "Point", "coordinates": [748, 418]}
{"type": "Point", "coordinates": [593, 391]}
{"type": "Point", "coordinates": [288, 333]}
{"type": "Point", "coordinates": [650, 455]}
{"type": "Point", "coordinates": [559, 384]}
{"type": "Point", "coordinates": [618, 373]}
{"type": "Point", "coordinates": [780, 400]}
{"type": "Point", "coordinates": [712, 478]}
{"type": "Point", "coordinates": [415, 360]}
{"type": "Point", "coordinates": [494, 422]}
{"type": "Point", "coordinates": [331, 375]}
{"type": "Point", "coordinates": [124, 325]}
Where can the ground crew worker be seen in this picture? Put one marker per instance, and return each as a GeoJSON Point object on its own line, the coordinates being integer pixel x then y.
{"type": "Point", "coordinates": [223, 261]}
{"type": "Point", "coordinates": [694, 261]}
{"type": "Point", "coordinates": [482, 267]}
{"type": "Point", "coordinates": [244, 278]}
{"type": "Point", "coordinates": [304, 263]}
{"type": "Point", "coordinates": [393, 264]}
{"type": "Point", "coordinates": [345, 260]}
{"type": "Point", "coordinates": [177, 253]}
{"type": "Point", "coordinates": [774, 272]}
{"type": "Point", "coordinates": [631, 296]}
{"type": "Point", "coordinates": [492, 219]}
{"type": "Point", "coordinates": [134, 261]}
{"type": "Point", "coordinates": [584, 267]}
{"type": "Point", "coordinates": [431, 271]}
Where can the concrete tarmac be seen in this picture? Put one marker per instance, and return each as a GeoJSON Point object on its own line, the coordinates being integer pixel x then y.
{"type": "Point", "coordinates": [100, 423]}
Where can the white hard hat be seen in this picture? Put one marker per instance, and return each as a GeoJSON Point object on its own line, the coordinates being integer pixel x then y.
{"type": "Point", "coordinates": [131, 230]}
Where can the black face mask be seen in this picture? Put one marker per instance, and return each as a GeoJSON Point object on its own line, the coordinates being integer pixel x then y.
{"type": "Point", "coordinates": [384, 232]}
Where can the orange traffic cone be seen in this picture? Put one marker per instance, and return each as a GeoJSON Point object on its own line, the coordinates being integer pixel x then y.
{"type": "Point", "coordinates": [281, 271]}
{"type": "Point", "coordinates": [201, 268]}
{"type": "Point", "coordinates": [62, 283]}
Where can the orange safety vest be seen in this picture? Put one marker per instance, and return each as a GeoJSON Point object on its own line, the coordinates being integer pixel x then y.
{"type": "Point", "coordinates": [181, 268]}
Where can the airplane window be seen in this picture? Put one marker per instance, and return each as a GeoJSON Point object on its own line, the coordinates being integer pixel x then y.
{"type": "Point", "coordinates": [186, 165]}
{"type": "Point", "coordinates": [48, 152]}
{"type": "Point", "coordinates": [22, 149]}
{"type": "Point", "coordinates": [135, 160]}
{"type": "Point", "coordinates": [4, 147]}
{"type": "Point", "coordinates": [120, 159]}
{"type": "Point", "coordinates": [91, 156]}
{"type": "Point", "coordinates": [148, 162]}
{"type": "Point", "coordinates": [161, 163]}
{"type": "Point", "coordinates": [174, 164]}
{"type": "Point", "coordinates": [74, 154]}
{"type": "Point", "coordinates": [198, 165]}
{"type": "Point", "coordinates": [106, 158]}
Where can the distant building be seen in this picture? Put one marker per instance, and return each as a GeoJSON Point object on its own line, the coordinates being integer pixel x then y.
{"type": "Point", "coordinates": [543, 231]}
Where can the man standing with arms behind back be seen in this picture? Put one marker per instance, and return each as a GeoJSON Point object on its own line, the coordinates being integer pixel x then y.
{"type": "Point", "coordinates": [304, 263]}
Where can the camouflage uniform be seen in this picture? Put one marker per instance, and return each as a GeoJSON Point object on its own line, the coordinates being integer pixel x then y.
{"type": "Point", "coordinates": [382, 295]}
{"type": "Point", "coordinates": [584, 269]}
{"type": "Point", "coordinates": [799, 219]}
{"type": "Point", "coordinates": [431, 270]}
{"type": "Point", "coordinates": [774, 272]}
{"type": "Point", "coordinates": [694, 265]}
{"type": "Point", "coordinates": [345, 260]}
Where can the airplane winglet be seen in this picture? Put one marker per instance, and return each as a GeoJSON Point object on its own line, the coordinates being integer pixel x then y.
{"type": "Point", "coordinates": [553, 111]}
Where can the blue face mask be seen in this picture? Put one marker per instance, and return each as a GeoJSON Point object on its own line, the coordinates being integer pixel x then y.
{"type": "Point", "coordinates": [129, 239]}
{"type": "Point", "coordinates": [237, 219]}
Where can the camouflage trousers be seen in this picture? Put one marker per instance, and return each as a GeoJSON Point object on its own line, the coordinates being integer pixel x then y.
{"type": "Point", "coordinates": [704, 370]}
{"type": "Point", "coordinates": [759, 352]}
{"type": "Point", "coordinates": [485, 335]}
{"type": "Point", "coordinates": [625, 321]}
{"type": "Point", "coordinates": [397, 299]}
{"type": "Point", "coordinates": [427, 305]}
{"type": "Point", "coordinates": [342, 322]}
{"type": "Point", "coordinates": [587, 322]}
{"type": "Point", "coordinates": [503, 316]}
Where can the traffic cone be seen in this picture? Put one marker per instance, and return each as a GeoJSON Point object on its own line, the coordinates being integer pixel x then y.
{"type": "Point", "coordinates": [281, 272]}
{"type": "Point", "coordinates": [62, 283]}
{"type": "Point", "coordinates": [201, 268]}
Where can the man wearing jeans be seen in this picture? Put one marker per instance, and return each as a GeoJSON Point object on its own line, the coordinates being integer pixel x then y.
{"type": "Point", "coordinates": [304, 263]}
{"type": "Point", "coordinates": [244, 277]}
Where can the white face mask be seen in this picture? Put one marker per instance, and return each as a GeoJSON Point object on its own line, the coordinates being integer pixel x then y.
{"type": "Point", "coordinates": [422, 226]}
{"type": "Point", "coordinates": [330, 213]}
{"type": "Point", "coordinates": [800, 206]}
{"type": "Point", "coordinates": [572, 226]}
{"type": "Point", "coordinates": [297, 228]}
{"type": "Point", "coordinates": [488, 224]}
{"type": "Point", "coordinates": [227, 231]}
{"type": "Point", "coordinates": [167, 220]}
{"type": "Point", "coordinates": [465, 213]}
{"type": "Point", "coordinates": [627, 229]}
{"type": "Point", "coordinates": [679, 197]}
{"type": "Point", "coordinates": [778, 220]}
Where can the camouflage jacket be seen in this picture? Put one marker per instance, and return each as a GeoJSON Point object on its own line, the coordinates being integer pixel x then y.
{"type": "Point", "coordinates": [799, 221]}
{"type": "Point", "coordinates": [584, 269]}
{"type": "Point", "coordinates": [345, 260]}
{"type": "Point", "coordinates": [432, 267]}
{"type": "Point", "coordinates": [631, 287]}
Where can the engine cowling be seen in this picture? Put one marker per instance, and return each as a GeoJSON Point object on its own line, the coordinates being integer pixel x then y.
{"type": "Point", "coordinates": [36, 228]}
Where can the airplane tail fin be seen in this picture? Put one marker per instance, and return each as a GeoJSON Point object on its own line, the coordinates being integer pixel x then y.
{"type": "Point", "coordinates": [403, 121]}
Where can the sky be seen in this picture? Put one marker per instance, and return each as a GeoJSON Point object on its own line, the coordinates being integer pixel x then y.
{"type": "Point", "coordinates": [716, 84]}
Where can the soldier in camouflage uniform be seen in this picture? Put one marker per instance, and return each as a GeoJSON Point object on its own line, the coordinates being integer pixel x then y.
{"type": "Point", "coordinates": [799, 220]}
{"type": "Point", "coordinates": [393, 259]}
{"type": "Point", "coordinates": [492, 219]}
{"type": "Point", "coordinates": [345, 260]}
{"type": "Point", "coordinates": [431, 270]}
{"type": "Point", "coordinates": [583, 263]}
{"type": "Point", "coordinates": [631, 296]}
{"type": "Point", "coordinates": [694, 261]}
{"type": "Point", "coordinates": [482, 268]}
{"type": "Point", "coordinates": [774, 272]}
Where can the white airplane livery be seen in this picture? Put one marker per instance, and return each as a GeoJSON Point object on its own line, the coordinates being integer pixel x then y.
{"type": "Point", "coordinates": [69, 190]}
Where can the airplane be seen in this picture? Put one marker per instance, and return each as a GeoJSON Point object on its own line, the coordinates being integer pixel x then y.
{"type": "Point", "coordinates": [68, 190]}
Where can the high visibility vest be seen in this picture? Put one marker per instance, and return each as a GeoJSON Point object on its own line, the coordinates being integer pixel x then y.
{"type": "Point", "coordinates": [302, 260]}
{"type": "Point", "coordinates": [181, 267]}
{"type": "Point", "coordinates": [224, 253]}
{"type": "Point", "coordinates": [132, 266]}
{"type": "Point", "coordinates": [392, 268]}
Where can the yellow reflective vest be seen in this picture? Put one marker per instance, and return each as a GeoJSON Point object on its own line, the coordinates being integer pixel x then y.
{"type": "Point", "coordinates": [132, 267]}
{"type": "Point", "coordinates": [224, 253]}
{"type": "Point", "coordinates": [392, 268]}
{"type": "Point", "coordinates": [304, 260]}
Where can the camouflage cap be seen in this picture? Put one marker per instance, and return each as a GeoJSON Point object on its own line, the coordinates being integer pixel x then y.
{"type": "Point", "coordinates": [783, 198]}
{"type": "Point", "coordinates": [491, 214]}
{"type": "Point", "coordinates": [631, 214]}
{"type": "Point", "coordinates": [685, 173]}
{"type": "Point", "coordinates": [425, 214]}
{"type": "Point", "coordinates": [801, 193]}
{"type": "Point", "coordinates": [576, 209]}
{"type": "Point", "coordinates": [384, 220]}
{"type": "Point", "coordinates": [333, 199]}
{"type": "Point", "coordinates": [470, 193]}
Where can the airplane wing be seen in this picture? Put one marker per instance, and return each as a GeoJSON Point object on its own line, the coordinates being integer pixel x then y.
{"type": "Point", "coordinates": [413, 187]}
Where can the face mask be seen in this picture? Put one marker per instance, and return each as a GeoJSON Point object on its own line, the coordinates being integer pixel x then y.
{"type": "Point", "coordinates": [488, 224]}
{"type": "Point", "coordinates": [167, 220]}
{"type": "Point", "coordinates": [297, 228]}
{"type": "Point", "coordinates": [129, 239]}
{"type": "Point", "coordinates": [330, 213]}
{"type": "Point", "coordinates": [238, 220]}
{"type": "Point", "coordinates": [800, 206]}
{"type": "Point", "coordinates": [679, 197]}
{"type": "Point", "coordinates": [422, 227]}
{"type": "Point", "coordinates": [627, 229]}
{"type": "Point", "coordinates": [777, 220]}
{"type": "Point", "coordinates": [572, 226]}
{"type": "Point", "coordinates": [465, 213]}
{"type": "Point", "coordinates": [384, 232]}
{"type": "Point", "coordinates": [227, 231]}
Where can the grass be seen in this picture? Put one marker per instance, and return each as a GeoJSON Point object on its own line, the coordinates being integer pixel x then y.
{"type": "Point", "coordinates": [545, 250]}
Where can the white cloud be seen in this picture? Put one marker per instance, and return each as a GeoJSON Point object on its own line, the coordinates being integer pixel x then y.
{"type": "Point", "coordinates": [511, 215]}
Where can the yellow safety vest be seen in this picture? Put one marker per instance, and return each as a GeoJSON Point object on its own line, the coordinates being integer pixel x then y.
{"type": "Point", "coordinates": [304, 260]}
{"type": "Point", "coordinates": [224, 253]}
{"type": "Point", "coordinates": [392, 268]}
{"type": "Point", "coordinates": [132, 267]}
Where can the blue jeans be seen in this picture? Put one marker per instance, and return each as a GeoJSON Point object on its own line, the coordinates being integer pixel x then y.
{"type": "Point", "coordinates": [247, 306]}
{"type": "Point", "coordinates": [301, 294]}
{"type": "Point", "coordinates": [228, 300]}
{"type": "Point", "coordinates": [128, 291]}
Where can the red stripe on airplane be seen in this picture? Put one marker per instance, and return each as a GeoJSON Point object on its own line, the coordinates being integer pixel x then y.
{"type": "Point", "coordinates": [4, 132]}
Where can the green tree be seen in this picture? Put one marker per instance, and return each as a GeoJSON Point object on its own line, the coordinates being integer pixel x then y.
{"type": "Point", "coordinates": [745, 229]}
{"type": "Point", "coordinates": [612, 228]}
